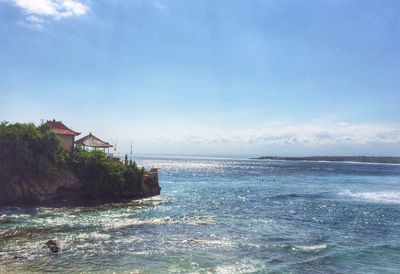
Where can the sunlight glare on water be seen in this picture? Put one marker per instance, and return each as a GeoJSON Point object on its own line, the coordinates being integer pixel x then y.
{"type": "Point", "coordinates": [222, 216]}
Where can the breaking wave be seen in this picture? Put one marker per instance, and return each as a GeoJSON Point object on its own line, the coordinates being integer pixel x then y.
{"type": "Point", "coordinates": [392, 197]}
{"type": "Point", "coordinates": [310, 248]}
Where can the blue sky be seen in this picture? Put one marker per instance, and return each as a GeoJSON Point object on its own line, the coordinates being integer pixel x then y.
{"type": "Point", "coordinates": [208, 77]}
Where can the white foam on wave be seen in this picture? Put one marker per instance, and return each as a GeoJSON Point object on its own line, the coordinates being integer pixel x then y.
{"type": "Point", "coordinates": [206, 242]}
{"type": "Point", "coordinates": [241, 266]}
{"type": "Point", "coordinates": [14, 216]}
{"type": "Point", "coordinates": [392, 197]}
{"type": "Point", "coordinates": [200, 221]}
{"type": "Point", "coordinates": [156, 200]}
{"type": "Point", "coordinates": [118, 224]}
{"type": "Point", "coordinates": [310, 248]}
{"type": "Point", "coordinates": [124, 223]}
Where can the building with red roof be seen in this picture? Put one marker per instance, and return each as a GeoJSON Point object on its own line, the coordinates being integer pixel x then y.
{"type": "Point", "coordinates": [63, 133]}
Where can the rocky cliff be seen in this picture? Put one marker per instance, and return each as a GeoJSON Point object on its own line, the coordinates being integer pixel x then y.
{"type": "Point", "coordinates": [65, 188]}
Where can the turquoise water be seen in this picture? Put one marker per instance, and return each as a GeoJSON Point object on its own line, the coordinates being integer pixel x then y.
{"type": "Point", "coordinates": [223, 216]}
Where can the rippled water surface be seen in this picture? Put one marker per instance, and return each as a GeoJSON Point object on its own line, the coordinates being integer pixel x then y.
{"type": "Point", "coordinates": [223, 216]}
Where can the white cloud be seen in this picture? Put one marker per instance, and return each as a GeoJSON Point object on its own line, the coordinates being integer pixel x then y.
{"type": "Point", "coordinates": [40, 10]}
{"type": "Point", "coordinates": [35, 20]}
{"type": "Point", "coordinates": [323, 134]}
{"type": "Point", "coordinates": [314, 133]}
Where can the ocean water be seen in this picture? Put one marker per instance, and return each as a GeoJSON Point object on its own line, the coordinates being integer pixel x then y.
{"type": "Point", "coordinates": [223, 216]}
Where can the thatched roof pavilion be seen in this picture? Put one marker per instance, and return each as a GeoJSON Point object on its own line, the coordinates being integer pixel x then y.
{"type": "Point", "coordinates": [92, 141]}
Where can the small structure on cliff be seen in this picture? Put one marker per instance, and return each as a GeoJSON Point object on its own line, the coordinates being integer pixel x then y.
{"type": "Point", "coordinates": [63, 133]}
{"type": "Point", "coordinates": [92, 141]}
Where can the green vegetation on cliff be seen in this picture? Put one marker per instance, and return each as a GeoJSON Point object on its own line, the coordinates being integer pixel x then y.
{"type": "Point", "coordinates": [32, 154]}
{"type": "Point", "coordinates": [104, 176]}
{"type": "Point", "coordinates": [27, 151]}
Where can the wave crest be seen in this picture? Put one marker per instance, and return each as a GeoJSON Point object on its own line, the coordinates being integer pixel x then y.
{"type": "Point", "coordinates": [392, 197]}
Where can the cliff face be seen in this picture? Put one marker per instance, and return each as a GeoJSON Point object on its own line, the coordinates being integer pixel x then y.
{"type": "Point", "coordinates": [64, 187]}
{"type": "Point", "coordinates": [150, 187]}
{"type": "Point", "coordinates": [150, 184]}
{"type": "Point", "coordinates": [30, 191]}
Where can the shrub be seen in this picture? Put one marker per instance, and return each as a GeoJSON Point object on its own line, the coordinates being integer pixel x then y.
{"type": "Point", "coordinates": [27, 151]}
{"type": "Point", "coordinates": [134, 177]}
{"type": "Point", "coordinates": [104, 177]}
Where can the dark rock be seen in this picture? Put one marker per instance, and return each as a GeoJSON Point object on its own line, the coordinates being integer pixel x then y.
{"type": "Point", "coordinates": [53, 246]}
{"type": "Point", "coordinates": [20, 257]}
{"type": "Point", "coordinates": [151, 185]}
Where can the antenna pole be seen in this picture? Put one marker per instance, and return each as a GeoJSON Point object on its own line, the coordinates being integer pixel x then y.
{"type": "Point", "coordinates": [115, 147]}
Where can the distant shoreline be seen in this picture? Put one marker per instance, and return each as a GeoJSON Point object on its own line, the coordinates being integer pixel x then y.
{"type": "Point", "coordinates": [358, 159]}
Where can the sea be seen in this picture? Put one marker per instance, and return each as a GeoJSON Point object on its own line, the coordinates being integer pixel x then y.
{"type": "Point", "coordinates": [222, 215]}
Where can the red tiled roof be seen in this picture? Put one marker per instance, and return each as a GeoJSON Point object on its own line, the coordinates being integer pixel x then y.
{"type": "Point", "coordinates": [59, 128]}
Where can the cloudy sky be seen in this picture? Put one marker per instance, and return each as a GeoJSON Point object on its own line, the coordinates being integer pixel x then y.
{"type": "Point", "coordinates": [208, 77]}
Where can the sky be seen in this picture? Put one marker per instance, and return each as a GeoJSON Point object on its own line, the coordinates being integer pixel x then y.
{"type": "Point", "coordinates": [286, 78]}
